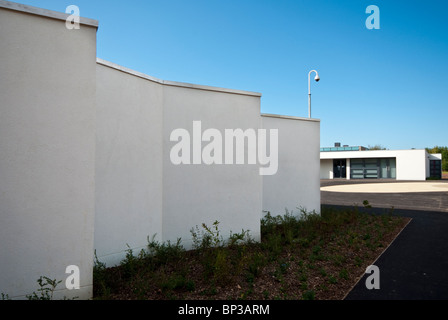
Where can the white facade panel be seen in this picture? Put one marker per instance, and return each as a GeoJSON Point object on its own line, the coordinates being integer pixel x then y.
{"type": "Point", "coordinates": [297, 179]}
{"type": "Point", "coordinates": [128, 163]}
{"type": "Point", "coordinates": [47, 152]}
{"type": "Point", "coordinates": [326, 169]}
{"type": "Point", "coordinates": [199, 193]}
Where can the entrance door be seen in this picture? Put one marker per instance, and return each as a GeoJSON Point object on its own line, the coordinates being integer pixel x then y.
{"type": "Point", "coordinates": [339, 168]}
{"type": "Point", "coordinates": [435, 169]}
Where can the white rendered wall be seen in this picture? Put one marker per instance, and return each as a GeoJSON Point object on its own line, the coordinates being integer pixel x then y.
{"type": "Point", "coordinates": [200, 193]}
{"type": "Point", "coordinates": [411, 165]}
{"type": "Point", "coordinates": [47, 151]}
{"type": "Point", "coordinates": [140, 192]}
{"type": "Point", "coordinates": [128, 163]}
{"type": "Point", "coordinates": [326, 169]}
{"type": "Point", "coordinates": [296, 183]}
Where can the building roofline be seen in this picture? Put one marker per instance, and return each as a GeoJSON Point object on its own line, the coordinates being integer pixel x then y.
{"type": "Point", "coordinates": [44, 12]}
{"type": "Point", "coordinates": [366, 153]}
{"type": "Point", "coordinates": [289, 117]}
{"type": "Point", "coordinates": [173, 83]}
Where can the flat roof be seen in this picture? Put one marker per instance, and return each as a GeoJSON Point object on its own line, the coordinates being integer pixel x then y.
{"type": "Point", "coordinates": [44, 12]}
{"type": "Point", "coordinates": [337, 149]}
{"type": "Point", "coordinates": [368, 153]}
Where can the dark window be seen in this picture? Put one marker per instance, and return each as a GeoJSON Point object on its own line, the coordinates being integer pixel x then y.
{"type": "Point", "coordinates": [373, 168]}
{"type": "Point", "coordinates": [435, 169]}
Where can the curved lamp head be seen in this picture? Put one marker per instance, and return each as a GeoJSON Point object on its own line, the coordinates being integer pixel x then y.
{"type": "Point", "coordinates": [316, 78]}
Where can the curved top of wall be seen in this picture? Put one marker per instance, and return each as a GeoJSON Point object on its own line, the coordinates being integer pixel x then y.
{"type": "Point", "coordinates": [173, 83]}
{"type": "Point", "coordinates": [269, 115]}
{"type": "Point", "coordinates": [44, 12]}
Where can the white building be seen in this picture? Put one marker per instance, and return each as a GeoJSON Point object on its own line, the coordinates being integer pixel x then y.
{"type": "Point", "coordinates": [360, 163]}
{"type": "Point", "coordinates": [85, 160]}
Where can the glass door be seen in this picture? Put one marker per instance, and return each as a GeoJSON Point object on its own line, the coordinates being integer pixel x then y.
{"type": "Point", "coordinates": [339, 168]}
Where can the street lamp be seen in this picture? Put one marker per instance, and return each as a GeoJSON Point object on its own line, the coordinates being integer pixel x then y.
{"type": "Point", "coordinates": [316, 78]}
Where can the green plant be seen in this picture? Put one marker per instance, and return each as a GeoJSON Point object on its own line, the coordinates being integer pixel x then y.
{"type": "Point", "coordinates": [162, 253]}
{"type": "Point", "coordinates": [130, 264]}
{"type": "Point", "coordinates": [343, 274]}
{"type": "Point", "coordinates": [46, 289]}
{"type": "Point", "coordinates": [176, 281]}
{"type": "Point", "coordinates": [101, 285]}
{"type": "Point", "coordinates": [240, 238]}
{"type": "Point", "coordinates": [308, 295]}
{"type": "Point", "coordinates": [5, 296]}
{"type": "Point", "coordinates": [366, 204]}
{"type": "Point", "coordinates": [256, 264]}
{"type": "Point", "coordinates": [207, 238]}
{"type": "Point", "coordinates": [332, 280]}
{"type": "Point", "coordinates": [303, 277]}
{"type": "Point", "coordinates": [221, 268]}
{"type": "Point", "coordinates": [323, 272]}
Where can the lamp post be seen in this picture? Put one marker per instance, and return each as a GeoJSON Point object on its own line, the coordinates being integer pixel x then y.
{"type": "Point", "coordinates": [316, 78]}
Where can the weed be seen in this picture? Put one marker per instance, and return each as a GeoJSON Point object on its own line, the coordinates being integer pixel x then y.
{"type": "Point", "coordinates": [343, 274]}
{"type": "Point", "coordinates": [130, 264]}
{"type": "Point", "coordinates": [101, 284]}
{"type": "Point", "coordinates": [207, 238]}
{"type": "Point", "coordinates": [366, 204]}
{"type": "Point", "coordinates": [160, 254]}
{"type": "Point", "coordinates": [358, 261]}
{"type": "Point", "coordinates": [283, 267]}
{"type": "Point", "coordinates": [5, 296]}
{"type": "Point", "coordinates": [309, 295]}
{"type": "Point", "coordinates": [175, 282]}
{"type": "Point", "coordinates": [323, 272]}
{"type": "Point", "coordinates": [303, 286]}
{"type": "Point", "coordinates": [221, 269]}
{"type": "Point", "coordinates": [265, 294]}
{"type": "Point", "coordinates": [332, 280]}
{"type": "Point", "coordinates": [46, 290]}
{"type": "Point", "coordinates": [317, 249]}
{"type": "Point", "coordinates": [240, 238]}
{"type": "Point", "coordinates": [303, 277]}
{"type": "Point", "coordinates": [255, 264]}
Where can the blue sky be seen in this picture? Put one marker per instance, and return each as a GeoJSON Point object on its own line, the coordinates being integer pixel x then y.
{"type": "Point", "coordinates": [386, 86]}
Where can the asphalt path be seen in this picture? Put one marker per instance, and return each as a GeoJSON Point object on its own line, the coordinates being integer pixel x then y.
{"type": "Point", "coordinates": [415, 265]}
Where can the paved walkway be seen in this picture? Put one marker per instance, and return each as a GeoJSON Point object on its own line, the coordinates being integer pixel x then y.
{"type": "Point", "coordinates": [415, 266]}
{"type": "Point", "coordinates": [413, 195]}
{"type": "Point", "coordinates": [404, 187]}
